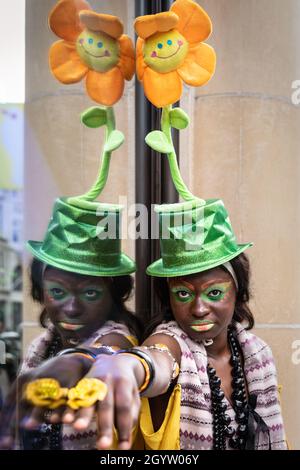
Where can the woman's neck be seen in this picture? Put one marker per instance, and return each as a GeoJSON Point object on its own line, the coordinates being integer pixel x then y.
{"type": "Point", "coordinates": [220, 346]}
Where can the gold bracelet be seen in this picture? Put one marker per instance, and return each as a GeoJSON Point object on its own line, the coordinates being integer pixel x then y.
{"type": "Point", "coordinates": [85, 355]}
{"type": "Point", "coordinates": [164, 348]}
{"type": "Point", "coordinates": [146, 369]}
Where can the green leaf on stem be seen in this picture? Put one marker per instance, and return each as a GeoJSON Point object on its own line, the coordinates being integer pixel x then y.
{"type": "Point", "coordinates": [94, 117]}
{"type": "Point", "coordinates": [179, 119]}
{"type": "Point", "coordinates": [114, 141]}
{"type": "Point", "coordinates": [158, 141]}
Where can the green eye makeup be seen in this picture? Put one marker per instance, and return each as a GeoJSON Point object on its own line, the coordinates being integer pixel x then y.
{"type": "Point", "coordinates": [56, 291]}
{"type": "Point", "coordinates": [182, 294]}
{"type": "Point", "coordinates": [91, 294]}
{"type": "Point", "coordinates": [216, 292]}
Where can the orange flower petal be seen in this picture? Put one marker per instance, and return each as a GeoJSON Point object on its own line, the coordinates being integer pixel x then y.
{"type": "Point", "coordinates": [108, 24]}
{"type": "Point", "coordinates": [147, 25]}
{"type": "Point", "coordinates": [162, 89]}
{"type": "Point", "coordinates": [140, 67]}
{"type": "Point", "coordinates": [199, 65]}
{"type": "Point", "coordinates": [105, 88]}
{"type": "Point", "coordinates": [140, 47]}
{"type": "Point", "coordinates": [194, 23]}
{"type": "Point", "coordinates": [64, 19]}
{"type": "Point", "coordinates": [140, 63]}
{"type": "Point", "coordinates": [65, 63]}
{"type": "Point", "coordinates": [127, 59]}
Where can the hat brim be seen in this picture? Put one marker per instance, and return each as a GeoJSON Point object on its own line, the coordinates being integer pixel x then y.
{"type": "Point", "coordinates": [125, 266]}
{"type": "Point", "coordinates": [157, 269]}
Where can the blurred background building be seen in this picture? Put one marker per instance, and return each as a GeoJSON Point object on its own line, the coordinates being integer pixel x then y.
{"type": "Point", "coordinates": [12, 94]}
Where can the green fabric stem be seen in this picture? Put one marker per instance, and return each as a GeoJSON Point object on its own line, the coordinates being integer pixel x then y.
{"type": "Point", "coordinates": [113, 140]}
{"type": "Point", "coordinates": [175, 171]}
{"type": "Point", "coordinates": [162, 142]}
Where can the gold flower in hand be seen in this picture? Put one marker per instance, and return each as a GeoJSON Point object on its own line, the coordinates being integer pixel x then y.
{"type": "Point", "coordinates": [46, 393]}
{"type": "Point", "coordinates": [86, 393]}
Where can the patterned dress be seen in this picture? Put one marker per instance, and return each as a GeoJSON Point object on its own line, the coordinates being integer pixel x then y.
{"type": "Point", "coordinates": [196, 422]}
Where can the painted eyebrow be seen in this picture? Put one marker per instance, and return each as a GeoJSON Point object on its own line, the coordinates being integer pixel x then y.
{"type": "Point", "coordinates": [204, 286]}
{"type": "Point", "coordinates": [180, 283]}
{"type": "Point", "coordinates": [211, 283]}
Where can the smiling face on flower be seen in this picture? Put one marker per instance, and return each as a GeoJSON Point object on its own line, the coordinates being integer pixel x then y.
{"type": "Point", "coordinates": [98, 51]}
{"type": "Point", "coordinates": [170, 51]}
{"type": "Point", "coordinates": [165, 52]}
{"type": "Point", "coordinates": [92, 47]}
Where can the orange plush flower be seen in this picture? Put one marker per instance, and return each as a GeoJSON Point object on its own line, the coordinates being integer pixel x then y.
{"type": "Point", "coordinates": [93, 46]}
{"type": "Point", "coordinates": [170, 50]}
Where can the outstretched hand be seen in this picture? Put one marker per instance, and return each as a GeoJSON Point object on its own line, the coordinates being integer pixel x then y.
{"type": "Point", "coordinates": [121, 406]}
{"type": "Point", "coordinates": [67, 370]}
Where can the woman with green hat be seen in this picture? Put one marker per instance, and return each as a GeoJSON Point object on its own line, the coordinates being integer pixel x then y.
{"type": "Point", "coordinates": [207, 383]}
{"type": "Point", "coordinates": [82, 280]}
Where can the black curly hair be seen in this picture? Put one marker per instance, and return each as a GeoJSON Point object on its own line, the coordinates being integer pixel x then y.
{"type": "Point", "coordinates": [242, 312]}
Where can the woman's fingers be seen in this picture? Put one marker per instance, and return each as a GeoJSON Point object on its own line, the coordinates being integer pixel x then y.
{"type": "Point", "coordinates": [7, 432]}
{"type": "Point", "coordinates": [69, 416]}
{"type": "Point", "coordinates": [136, 406]}
{"type": "Point", "coordinates": [83, 418]}
{"type": "Point", "coordinates": [6, 443]}
{"type": "Point", "coordinates": [105, 417]}
{"type": "Point", "coordinates": [9, 414]}
{"type": "Point", "coordinates": [34, 419]}
{"type": "Point", "coordinates": [124, 418]}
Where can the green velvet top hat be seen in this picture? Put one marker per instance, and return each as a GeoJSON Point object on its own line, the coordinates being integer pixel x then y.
{"type": "Point", "coordinates": [195, 235]}
{"type": "Point", "coordinates": [85, 241]}
{"type": "Point", "coordinates": [194, 238]}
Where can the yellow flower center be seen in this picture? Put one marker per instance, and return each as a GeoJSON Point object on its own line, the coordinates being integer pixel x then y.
{"type": "Point", "coordinates": [98, 51]}
{"type": "Point", "coordinates": [165, 52]}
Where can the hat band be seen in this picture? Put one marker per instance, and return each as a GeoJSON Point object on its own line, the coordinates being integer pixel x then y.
{"type": "Point", "coordinates": [228, 266]}
{"type": "Point", "coordinates": [207, 254]}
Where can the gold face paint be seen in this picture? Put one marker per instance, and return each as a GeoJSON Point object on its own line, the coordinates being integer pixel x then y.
{"type": "Point", "coordinates": [216, 292]}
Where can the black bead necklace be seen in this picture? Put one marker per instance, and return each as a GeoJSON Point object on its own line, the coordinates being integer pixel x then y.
{"type": "Point", "coordinates": [47, 436]}
{"type": "Point", "coordinates": [55, 429]}
{"type": "Point", "coordinates": [221, 421]}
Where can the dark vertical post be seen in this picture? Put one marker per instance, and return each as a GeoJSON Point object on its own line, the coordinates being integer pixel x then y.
{"type": "Point", "coordinates": [153, 182]}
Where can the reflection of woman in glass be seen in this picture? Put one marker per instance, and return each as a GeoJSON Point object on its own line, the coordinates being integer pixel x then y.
{"type": "Point", "coordinates": [77, 309]}
{"type": "Point", "coordinates": [82, 281]}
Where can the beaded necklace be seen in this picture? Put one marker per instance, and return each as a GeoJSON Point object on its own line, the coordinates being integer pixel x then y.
{"type": "Point", "coordinates": [48, 435]}
{"type": "Point", "coordinates": [222, 429]}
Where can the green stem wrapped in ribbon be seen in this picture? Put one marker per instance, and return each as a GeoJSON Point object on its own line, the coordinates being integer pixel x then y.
{"type": "Point", "coordinates": [97, 117]}
{"type": "Point", "coordinates": [162, 142]}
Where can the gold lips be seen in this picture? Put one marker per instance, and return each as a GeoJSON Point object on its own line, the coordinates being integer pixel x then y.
{"type": "Point", "coordinates": [70, 326]}
{"type": "Point", "coordinates": [205, 326]}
